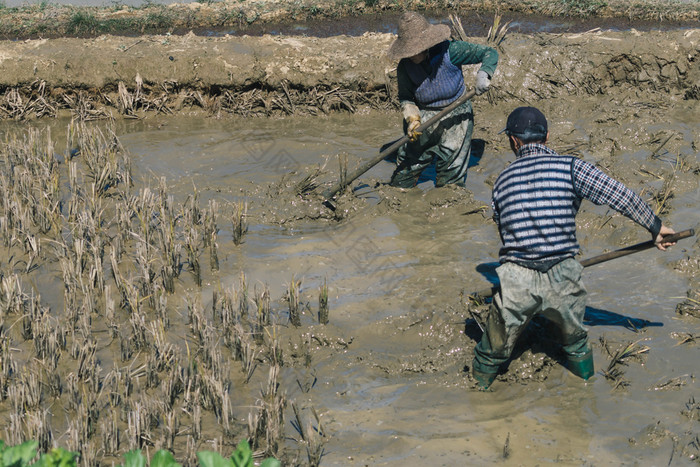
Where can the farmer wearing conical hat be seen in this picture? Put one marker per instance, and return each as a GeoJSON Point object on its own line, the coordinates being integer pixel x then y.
{"type": "Point", "coordinates": [430, 77]}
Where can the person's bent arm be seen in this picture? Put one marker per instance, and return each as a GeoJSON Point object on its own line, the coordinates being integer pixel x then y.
{"type": "Point", "coordinates": [593, 184]}
{"type": "Point", "coordinates": [466, 53]}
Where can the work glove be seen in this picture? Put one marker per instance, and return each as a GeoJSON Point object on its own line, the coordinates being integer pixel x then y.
{"type": "Point", "coordinates": [413, 122]}
{"type": "Point", "coordinates": [411, 115]}
{"type": "Point", "coordinates": [482, 82]}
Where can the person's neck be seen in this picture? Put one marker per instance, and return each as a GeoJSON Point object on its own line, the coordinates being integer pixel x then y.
{"type": "Point", "coordinates": [523, 147]}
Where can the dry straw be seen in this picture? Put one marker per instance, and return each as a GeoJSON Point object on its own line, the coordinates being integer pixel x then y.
{"type": "Point", "coordinates": [323, 302]}
{"type": "Point", "coordinates": [113, 251]}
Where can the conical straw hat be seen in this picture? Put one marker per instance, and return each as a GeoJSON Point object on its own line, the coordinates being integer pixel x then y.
{"type": "Point", "coordinates": [416, 35]}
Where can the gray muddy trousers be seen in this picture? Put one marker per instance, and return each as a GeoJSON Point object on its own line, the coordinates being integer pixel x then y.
{"type": "Point", "coordinates": [448, 142]}
{"type": "Point", "coordinates": [557, 294]}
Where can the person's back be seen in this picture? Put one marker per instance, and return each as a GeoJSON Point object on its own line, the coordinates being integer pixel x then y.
{"type": "Point", "coordinates": [536, 205]}
{"type": "Point", "coordinates": [535, 201]}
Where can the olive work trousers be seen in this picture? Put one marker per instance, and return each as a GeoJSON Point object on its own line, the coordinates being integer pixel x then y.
{"type": "Point", "coordinates": [558, 295]}
{"type": "Point", "coordinates": [447, 142]}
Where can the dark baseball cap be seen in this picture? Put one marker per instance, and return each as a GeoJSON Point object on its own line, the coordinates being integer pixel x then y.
{"type": "Point", "coordinates": [526, 123]}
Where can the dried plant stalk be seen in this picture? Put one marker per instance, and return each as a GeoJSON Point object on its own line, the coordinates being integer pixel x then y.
{"type": "Point", "coordinates": [240, 225]}
{"type": "Point", "coordinates": [323, 303]}
{"type": "Point", "coordinates": [292, 297]}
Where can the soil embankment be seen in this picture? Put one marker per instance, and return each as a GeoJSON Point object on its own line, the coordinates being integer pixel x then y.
{"type": "Point", "coordinates": [273, 75]}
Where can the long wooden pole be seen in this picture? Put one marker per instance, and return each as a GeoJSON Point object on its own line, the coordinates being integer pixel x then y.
{"type": "Point", "coordinates": [330, 192]}
{"type": "Point", "coordinates": [490, 292]}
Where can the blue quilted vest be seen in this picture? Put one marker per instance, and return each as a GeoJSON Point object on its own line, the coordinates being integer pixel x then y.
{"type": "Point", "coordinates": [443, 85]}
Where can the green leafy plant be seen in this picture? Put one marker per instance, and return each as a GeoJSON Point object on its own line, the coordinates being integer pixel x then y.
{"type": "Point", "coordinates": [161, 458]}
{"type": "Point", "coordinates": [23, 454]}
{"type": "Point", "coordinates": [17, 456]}
{"type": "Point", "coordinates": [164, 458]}
{"type": "Point", "coordinates": [58, 457]}
{"type": "Point", "coordinates": [241, 457]}
{"type": "Point", "coordinates": [134, 459]}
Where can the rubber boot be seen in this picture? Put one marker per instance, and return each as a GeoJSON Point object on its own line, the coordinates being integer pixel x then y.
{"type": "Point", "coordinates": [483, 379]}
{"type": "Point", "coordinates": [581, 365]}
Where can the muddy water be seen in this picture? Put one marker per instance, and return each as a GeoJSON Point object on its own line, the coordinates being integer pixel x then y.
{"type": "Point", "coordinates": [387, 374]}
{"type": "Point", "coordinates": [474, 25]}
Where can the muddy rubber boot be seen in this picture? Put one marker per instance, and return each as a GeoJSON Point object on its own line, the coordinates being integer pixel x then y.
{"type": "Point", "coordinates": [483, 379]}
{"type": "Point", "coordinates": [581, 366]}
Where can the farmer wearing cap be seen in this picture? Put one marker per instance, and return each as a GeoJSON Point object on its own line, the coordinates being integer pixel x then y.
{"type": "Point", "coordinates": [535, 201]}
{"type": "Point", "coordinates": [430, 77]}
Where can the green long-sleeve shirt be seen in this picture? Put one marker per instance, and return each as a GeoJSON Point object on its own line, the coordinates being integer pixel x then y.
{"type": "Point", "coordinates": [461, 53]}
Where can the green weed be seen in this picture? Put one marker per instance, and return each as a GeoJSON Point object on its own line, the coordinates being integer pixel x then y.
{"type": "Point", "coordinates": [43, 5]}
{"type": "Point", "coordinates": [82, 22]}
{"type": "Point", "coordinates": [158, 20]}
{"type": "Point", "coordinates": [582, 8]}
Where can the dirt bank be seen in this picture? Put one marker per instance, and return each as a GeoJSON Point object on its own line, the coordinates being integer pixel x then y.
{"type": "Point", "coordinates": [272, 75]}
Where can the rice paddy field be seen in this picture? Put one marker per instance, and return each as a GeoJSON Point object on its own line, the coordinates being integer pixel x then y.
{"type": "Point", "coordinates": [171, 278]}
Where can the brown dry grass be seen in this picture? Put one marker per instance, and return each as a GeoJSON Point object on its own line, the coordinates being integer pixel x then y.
{"type": "Point", "coordinates": [129, 353]}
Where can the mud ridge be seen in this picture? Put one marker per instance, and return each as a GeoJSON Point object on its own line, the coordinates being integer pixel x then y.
{"type": "Point", "coordinates": [113, 76]}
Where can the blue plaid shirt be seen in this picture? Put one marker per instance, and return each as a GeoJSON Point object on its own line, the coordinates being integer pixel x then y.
{"type": "Point", "coordinates": [537, 197]}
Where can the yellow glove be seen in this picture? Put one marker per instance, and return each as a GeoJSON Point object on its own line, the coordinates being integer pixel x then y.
{"type": "Point", "coordinates": [413, 122]}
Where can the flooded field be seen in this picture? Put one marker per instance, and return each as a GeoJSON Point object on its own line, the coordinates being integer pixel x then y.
{"type": "Point", "coordinates": [166, 274]}
{"type": "Point", "coordinates": [386, 376]}
{"type": "Point", "coordinates": [396, 267]}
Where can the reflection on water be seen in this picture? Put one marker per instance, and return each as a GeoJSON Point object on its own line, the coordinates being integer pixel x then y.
{"type": "Point", "coordinates": [238, 154]}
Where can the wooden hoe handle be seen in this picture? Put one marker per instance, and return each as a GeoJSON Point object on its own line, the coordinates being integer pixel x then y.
{"type": "Point", "coordinates": [628, 250]}
{"type": "Point", "coordinates": [330, 192]}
